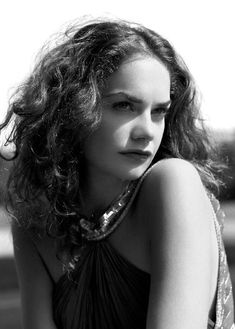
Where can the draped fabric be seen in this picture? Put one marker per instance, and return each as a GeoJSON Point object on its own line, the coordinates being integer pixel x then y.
{"type": "Point", "coordinates": [106, 291]}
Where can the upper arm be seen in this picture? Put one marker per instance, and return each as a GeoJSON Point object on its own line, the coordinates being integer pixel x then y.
{"type": "Point", "coordinates": [35, 283]}
{"type": "Point", "coordinates": [180, 229]}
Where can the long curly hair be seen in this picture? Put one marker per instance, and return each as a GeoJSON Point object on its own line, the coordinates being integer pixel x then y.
{"type": "Point", "coordinates": [57, 107]}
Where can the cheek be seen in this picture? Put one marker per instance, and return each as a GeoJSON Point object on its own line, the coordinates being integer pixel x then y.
{"type": "Point", "coordinates": [159, 133]}
{"type": "Point", "coordinates": [100, 142]}
{"type": "Point", "coordinates": [120, 136]}
{"type": "Point", "coordinates": [115, 132]}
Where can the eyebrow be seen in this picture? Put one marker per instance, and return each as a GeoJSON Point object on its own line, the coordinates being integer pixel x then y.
{"type": "Point", "coordinates": [136, 99]}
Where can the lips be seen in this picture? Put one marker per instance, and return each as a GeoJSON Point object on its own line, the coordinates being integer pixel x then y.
{"type": "Point", "coordinates": [139, 155]}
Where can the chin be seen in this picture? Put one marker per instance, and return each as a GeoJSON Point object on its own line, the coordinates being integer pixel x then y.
{"type": "Point", "coordinates": [135, 173]}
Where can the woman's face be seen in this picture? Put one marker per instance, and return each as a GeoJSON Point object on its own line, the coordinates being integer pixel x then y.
{"type": "Point", "coordinates": [134, 103]}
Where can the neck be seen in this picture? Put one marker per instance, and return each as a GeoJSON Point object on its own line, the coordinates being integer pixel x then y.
{"type": "Point", "coordinates": [98, 191]}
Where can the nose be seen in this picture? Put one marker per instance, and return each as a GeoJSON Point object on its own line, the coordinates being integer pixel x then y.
{"type": "Point", "coordinates": [143, 128]}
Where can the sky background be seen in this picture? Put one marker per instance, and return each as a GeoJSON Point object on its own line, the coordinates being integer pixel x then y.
{"type": "Point", "coordinates": [202, 32]}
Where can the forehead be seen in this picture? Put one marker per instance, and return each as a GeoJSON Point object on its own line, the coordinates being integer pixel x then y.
{"type": "Point", "coordinates": [143, 76]}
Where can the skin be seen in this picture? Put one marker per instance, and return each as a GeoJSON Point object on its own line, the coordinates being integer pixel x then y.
{"type": "Point", "coordinates": [134, 105]}
{"type": "Point", "coordinates": [168, 231]}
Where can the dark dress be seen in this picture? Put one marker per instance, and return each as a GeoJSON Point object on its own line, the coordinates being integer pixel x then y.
{"type": "Point", "coordinates": [106, 291]}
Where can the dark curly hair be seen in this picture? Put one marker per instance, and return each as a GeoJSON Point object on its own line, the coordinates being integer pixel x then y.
{"type": "Point", "coordinates": [57, 108]}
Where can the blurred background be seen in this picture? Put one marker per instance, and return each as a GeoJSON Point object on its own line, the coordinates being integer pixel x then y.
{"type": "Point", "coordinates": [201, 31]}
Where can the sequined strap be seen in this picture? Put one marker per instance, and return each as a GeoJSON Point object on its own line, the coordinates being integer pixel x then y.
{"type": "Point", "coordinates": [218, 213]}
{"type": "Point", "coordinates": [224, 298]}
{"type": "Point", "coordinates": [114, 215]}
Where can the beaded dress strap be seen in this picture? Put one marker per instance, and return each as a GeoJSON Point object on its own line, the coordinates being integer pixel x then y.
{"type": "Point", "coordinates": [224, 287]}
{"type": "Point", "coordinates": [218, 229]}
{"type": "Point", "coordinates": [113, 217]}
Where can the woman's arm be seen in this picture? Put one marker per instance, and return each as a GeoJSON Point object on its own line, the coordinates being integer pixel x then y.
{"type": "Point", "coordinates": [35, 283]}
{"type": "Point", "coordinates": [183, 247]}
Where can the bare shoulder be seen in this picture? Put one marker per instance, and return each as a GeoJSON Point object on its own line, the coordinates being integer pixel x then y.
{"type": "Point", "coordinates": [31, 247]}
{"type": "Point", "coordinates": [23, 238]}
{"type": "Point", "coordinates": [183, 248]}
{"type": "Point", "coordinates": [174, 183]}
{"type": "Point", "coordinates": [173, 194]}
{"type": "Point", "coordinates": [35, 281]}
{"type": "Point", "coordinates": [170, 171]}
{"type": "Point", "coordinates": [22, 241]}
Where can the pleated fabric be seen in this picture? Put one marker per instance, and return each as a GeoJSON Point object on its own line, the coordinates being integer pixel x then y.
{"type": "Point", "coordinates": [106, 291]}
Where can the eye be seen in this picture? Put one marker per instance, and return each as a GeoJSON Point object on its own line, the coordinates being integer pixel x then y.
{"type": "Point", "coordinates": [161, 112]}
{"type": "Point", "coordinates": [123, 106]}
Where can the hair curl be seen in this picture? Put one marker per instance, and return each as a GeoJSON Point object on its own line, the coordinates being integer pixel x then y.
{"type": "Point", "coordinates": [57, 108]}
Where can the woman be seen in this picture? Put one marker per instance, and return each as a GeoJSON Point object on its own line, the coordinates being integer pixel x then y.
{"type": "Point", "coordinates": [112, 188]}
